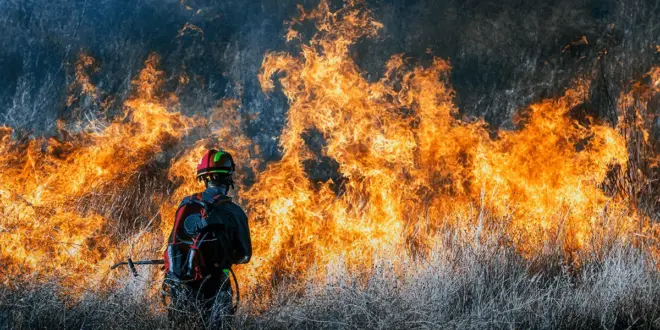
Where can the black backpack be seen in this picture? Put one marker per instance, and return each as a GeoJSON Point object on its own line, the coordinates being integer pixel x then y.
{"type": "Point", "coordinates": [216, 239]}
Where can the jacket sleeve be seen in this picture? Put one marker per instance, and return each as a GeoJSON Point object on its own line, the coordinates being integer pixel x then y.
{"type": "Point", "coordinates": [244, 242]}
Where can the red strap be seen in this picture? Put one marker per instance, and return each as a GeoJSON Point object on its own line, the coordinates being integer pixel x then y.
{"type": "Point", "coordinates": [194, 245]}
{"type": "Point", "coordinates": [167, 261]}
{"type": "Point", "coordinates": [198, 259]}
{"type": "Point", "coordinates": [178, 219]}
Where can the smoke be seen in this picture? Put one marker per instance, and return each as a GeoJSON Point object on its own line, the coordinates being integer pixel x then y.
{"type": "Point", "coordinates": [505, 54]}
{"type": "Point", "coordinates": [42, 40]}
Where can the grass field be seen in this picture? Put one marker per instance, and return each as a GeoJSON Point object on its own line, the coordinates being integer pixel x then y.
{"type": "Point", "coordinates": [473, 287]}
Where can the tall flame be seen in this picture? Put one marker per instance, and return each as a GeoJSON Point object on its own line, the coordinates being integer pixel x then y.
{"type": "Point", "coordinates": [409, 167]}
{"type": "Point", "coordinates": [54, 204]}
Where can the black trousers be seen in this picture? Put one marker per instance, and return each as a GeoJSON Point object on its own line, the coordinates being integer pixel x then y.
{"type": "Point", "coordinates": [209, 298]}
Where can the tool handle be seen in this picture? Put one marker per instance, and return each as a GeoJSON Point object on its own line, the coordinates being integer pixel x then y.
{"type": "Point", "coordinates": [131, 265]}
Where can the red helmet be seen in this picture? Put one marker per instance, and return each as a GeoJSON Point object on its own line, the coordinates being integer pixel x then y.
{"type": "Point", "coordinates": [215, 161]}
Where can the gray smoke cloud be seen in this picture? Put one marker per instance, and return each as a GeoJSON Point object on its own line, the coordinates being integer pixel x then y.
{"type": "Point", "coordinates": [505, 54]}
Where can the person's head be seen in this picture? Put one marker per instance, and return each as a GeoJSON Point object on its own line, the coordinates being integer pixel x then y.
{"type": "Point", "coordinates": [215, 168]}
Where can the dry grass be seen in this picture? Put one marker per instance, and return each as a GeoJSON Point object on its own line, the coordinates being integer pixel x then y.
{"type": "Point", "coordinates": [466, 287]}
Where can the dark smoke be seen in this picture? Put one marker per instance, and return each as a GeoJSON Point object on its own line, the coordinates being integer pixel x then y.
{"type": "Point", "coordinates": [505, 54]}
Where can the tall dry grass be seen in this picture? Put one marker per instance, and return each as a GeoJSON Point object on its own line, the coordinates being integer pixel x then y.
{"type": "Point", "coordinates": [460, 284]}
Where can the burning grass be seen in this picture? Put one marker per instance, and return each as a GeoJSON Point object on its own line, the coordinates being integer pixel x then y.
{"type": "Point", "coordinates": [474, 286]}
{"type": "Point", "coordinates": [423, 218]}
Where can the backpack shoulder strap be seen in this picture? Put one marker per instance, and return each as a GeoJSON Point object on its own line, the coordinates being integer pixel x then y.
{"type": "Point", "coordinates": [221, 199]}
{"type": "Point", "coordinates": [191, 199]}
{"type": "Point", "coordinates": [216, 216]}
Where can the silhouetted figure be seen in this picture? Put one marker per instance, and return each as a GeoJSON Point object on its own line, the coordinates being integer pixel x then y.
{"type": "Point", "coordinates": [210, 234]}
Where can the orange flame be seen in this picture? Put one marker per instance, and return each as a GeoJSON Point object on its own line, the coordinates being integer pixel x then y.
{"type": "Point", "coordinates": [403, 168]}
{"type": "Point", "coordinates": [47, 186]}
{"type": "Point", "coordinates": [409, 164]}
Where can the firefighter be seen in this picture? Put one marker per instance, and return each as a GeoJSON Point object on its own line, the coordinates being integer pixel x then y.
{"type": "Point", "coordinates": [210, 234]}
